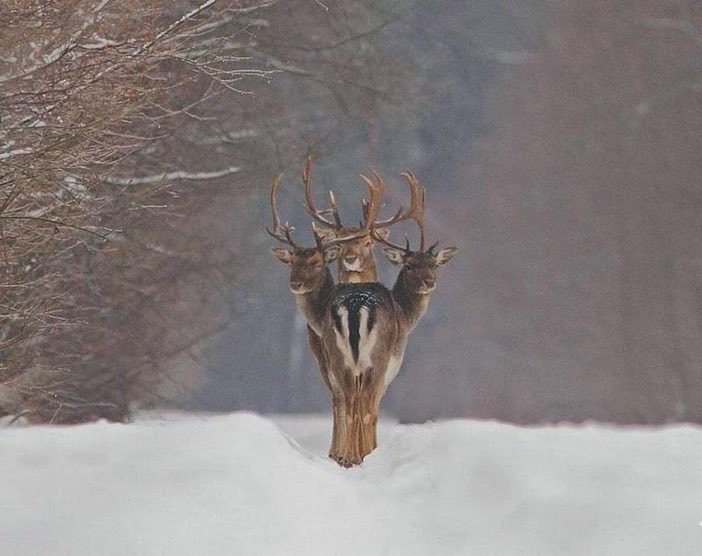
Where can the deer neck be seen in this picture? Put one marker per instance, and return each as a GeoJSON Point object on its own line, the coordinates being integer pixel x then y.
{"type": "Point", "coordinates": [413, 303]}
{"type": "Point", "coordinates": [311, 304]}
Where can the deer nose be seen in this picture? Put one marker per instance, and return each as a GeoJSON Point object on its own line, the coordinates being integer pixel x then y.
{"type": "Point", "coordinates": [350, 259]}
{"type": "Point", "coordinates": [295, 285]}
{"type": "Point", "coordinates": [429, 282]}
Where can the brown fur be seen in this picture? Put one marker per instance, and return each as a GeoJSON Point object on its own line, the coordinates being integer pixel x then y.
{"type": "Point", "coordinates": [312, 284]}
{"type": "Point", "coordinates": [396, 316]}
{"type": "Point", "coordinates": [356, 393]}
{"type": "Point", "coordinates": [359, 252]}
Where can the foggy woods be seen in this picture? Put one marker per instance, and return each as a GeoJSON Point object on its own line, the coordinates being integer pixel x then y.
{"type": "Point", "coordinates": [558, 142]}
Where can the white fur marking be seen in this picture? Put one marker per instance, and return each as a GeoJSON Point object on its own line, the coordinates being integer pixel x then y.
{"type": "Point", "coordinates": [366, 341]}
{"type": "Point", "coordinates": [342, 339]}
{"type": "Point", "coordinates": [355, 266]}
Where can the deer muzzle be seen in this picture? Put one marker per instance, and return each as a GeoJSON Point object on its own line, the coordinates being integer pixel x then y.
{"type": "Point", "coordinates": [352, 263]}
{"type": "Point", "coordinates": [297, 286]}
{"type": "Point", "coordinates": [428, 285]}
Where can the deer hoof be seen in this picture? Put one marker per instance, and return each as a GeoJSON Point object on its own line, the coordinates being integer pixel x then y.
{"type": "Point", "coordinates": [344, 462]}
{"type": "Point", "coordinates": [347, 462]}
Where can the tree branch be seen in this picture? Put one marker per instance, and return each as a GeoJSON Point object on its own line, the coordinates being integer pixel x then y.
{"type": "Point", "coordinates": [176, 175]}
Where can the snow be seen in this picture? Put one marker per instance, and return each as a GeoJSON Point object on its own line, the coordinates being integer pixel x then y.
{"type": "Point", "coordinates": [15, 152]}
{"type": "Point", "coordinates": [242, 484]}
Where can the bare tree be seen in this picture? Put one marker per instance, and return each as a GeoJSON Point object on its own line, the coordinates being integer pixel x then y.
{"type": "Point", "coordinates": [85, 86]}
{"type": "Point", "coordinates": [130, 146]}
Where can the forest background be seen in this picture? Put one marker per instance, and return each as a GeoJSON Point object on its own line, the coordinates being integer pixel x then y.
{"type": "Point", "coordinates": [558, 141]}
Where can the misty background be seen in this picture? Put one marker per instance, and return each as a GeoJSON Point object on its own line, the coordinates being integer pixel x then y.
{"type": "Point", "coordinates": [559, 144]}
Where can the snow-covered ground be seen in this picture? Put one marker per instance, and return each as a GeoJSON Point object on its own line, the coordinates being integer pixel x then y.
{"type": "Point", "coordinates": [243, 484]}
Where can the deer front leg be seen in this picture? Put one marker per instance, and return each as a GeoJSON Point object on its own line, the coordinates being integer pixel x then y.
{"type": "Point", "coordinates": [367, 434]}
{"type": "Point", "coordinates": [350, 453]}
{"type": "Point", "coordinates": [373, 390]}
{"type": "Point", "coordinates": [351, 448]}
{"type": "Point", "coordinates": [375, 413]}
{"type": "Point", "coordinates": [338, 407]}
{"type": "Point", "coordinates": [360, 421]}
{"type": "Point", "coordinates": [339, 427]}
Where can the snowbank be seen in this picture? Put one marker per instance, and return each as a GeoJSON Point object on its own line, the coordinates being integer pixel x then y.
{"type": "Point", "coordinates": [237, 485]}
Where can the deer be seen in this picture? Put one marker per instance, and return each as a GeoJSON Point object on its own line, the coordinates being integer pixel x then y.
{"type": "Point", "coordinates": [312, 284]}
{"type": "Point", "coordinates": [358, 331]}
{"type": "Point", "coordinates": [363, 330]}
{"type": "Point", "coordinates": [356, 261]}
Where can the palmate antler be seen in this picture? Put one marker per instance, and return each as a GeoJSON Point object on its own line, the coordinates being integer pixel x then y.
{"type": "Point", "coordinates": [415, 211]}
{"type": "Point", "coordinates": [282, 232]}
{"type": "Point", "coordinates": [319, 216]}
{"type": "Point", "coordinates": [376, 190]}
{"type": "Point", "coordinates": [376, 187]}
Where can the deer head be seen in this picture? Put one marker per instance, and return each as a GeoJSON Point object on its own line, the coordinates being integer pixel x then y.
{"type": "Point", "coordinates": [419, 268]}
{"type": "Point", "coordinates": [356, 259]}
{"type": "Point", "coordinates": [308, 265]}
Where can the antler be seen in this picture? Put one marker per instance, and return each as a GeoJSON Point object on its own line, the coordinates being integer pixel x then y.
{"type": "Point", "coordinates": [406, 247]}
{"type": "Point", "coordinates": [416, 210]}
{"type": "Point", "coordinates": [376, 188]}
{"type": "Point", "coordinates": [280, 232]}
{"type": "Point", "coordinates": [310, 205]}
{"type": "Point", "coordinates": [381, 239]}
{"type": "Point", "coordinates": [338, 240]}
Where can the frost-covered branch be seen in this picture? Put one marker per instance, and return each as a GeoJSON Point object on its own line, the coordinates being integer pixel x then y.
{"type": "Point", "coordinates": [88, 85]}
{"type": "Point", "coordinates": [175, 25]}
{"type": "Point", "coordinates": [175, 175]}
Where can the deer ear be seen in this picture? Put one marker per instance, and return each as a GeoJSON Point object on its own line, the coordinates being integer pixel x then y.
{"type": "Point", "coordinates": [331, 254]}
{"type": "Point", "coordinates": [282, 254]}
{"type": "Point", "coordinates": [445, 255]}
{"type": "Point", "coordinates": [395, 256]}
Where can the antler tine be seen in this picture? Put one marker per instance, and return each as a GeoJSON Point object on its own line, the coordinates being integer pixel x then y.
{"type": "Point", "coordinates": [337, 240]}
{"type": "Point", "coordinates": [280, 232]}
{"type": "Point", "coordinates": [340, 240]}
{"type": "Point", "coordinates": [334, 209]}
{"type": "Point", "coordinates": [376, 190]}
{"type": "Point", "coordinates": [311, 206]}
{"type": "Point", "coordinates": [389, 243]}
{"type": "Point", "coordinates": [416, 210]}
